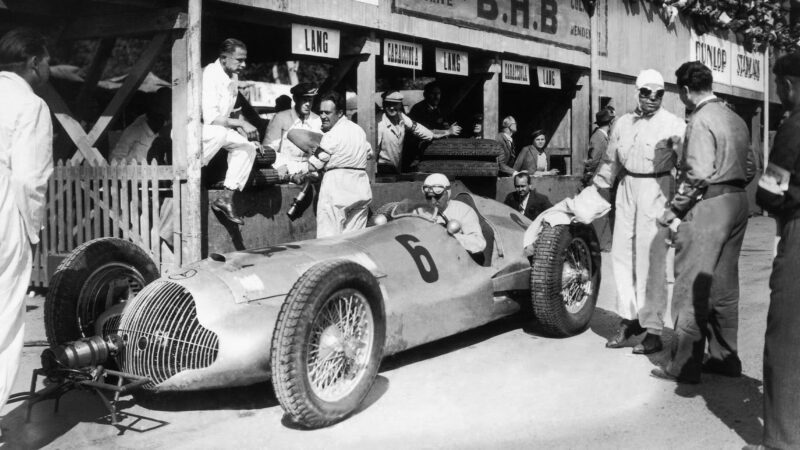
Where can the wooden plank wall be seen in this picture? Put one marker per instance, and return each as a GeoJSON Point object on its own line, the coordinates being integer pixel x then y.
{"type": "Point", "coordinates": [124, 200]}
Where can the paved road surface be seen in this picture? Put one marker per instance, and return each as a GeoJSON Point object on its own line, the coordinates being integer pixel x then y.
{"type": "Point", "coordinates": [494, 387]}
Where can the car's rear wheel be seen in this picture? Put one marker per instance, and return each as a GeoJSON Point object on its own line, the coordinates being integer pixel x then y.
{"type": "Point", "coordinates": [328, 343]}
{"type": "Point", "coordinates": [565, 277]}
{"type": "Point", "coordinates": [96, 276]}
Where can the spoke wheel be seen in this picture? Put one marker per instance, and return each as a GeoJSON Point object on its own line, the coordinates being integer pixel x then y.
{"type": "Point", "coordinates": [565, 274]}
{"type": "Point", "coordinates": [328, 343]}
{"type": "Point", "coordinates": [96, 276]}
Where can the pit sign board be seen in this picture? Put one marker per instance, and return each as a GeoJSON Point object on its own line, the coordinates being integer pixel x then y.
{"type": "Point", "coordinates": [548, 77]}
{"type": "Point", "coordinates": [452, 62]}
{"type": "Point", "coordinates": [516, 72]}
{"type": "Point", "coordinates": [402, 54]}
{"type": "Point", "coordinates": [715, 53]}
{"type": "Point", "coordinates": [315, 41]}
{"type": "Point", "coordinates": [747, 69]}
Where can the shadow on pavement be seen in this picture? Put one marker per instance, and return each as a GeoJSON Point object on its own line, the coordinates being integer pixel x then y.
{"type": "Point", "coordinates": [257, 396]}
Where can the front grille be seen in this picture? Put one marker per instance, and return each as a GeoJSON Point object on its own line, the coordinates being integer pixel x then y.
{"type": "Point", "coordinates": [162, 334]}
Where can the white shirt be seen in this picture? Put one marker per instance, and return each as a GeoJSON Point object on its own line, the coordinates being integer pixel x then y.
{"type": "Point", "coordinates": [471, 236]}
{"type": "Point", "coordinates": [288, 154]}
{"type": "Point", "coordinates": [219, 93]}
{"type": "Point", "coordinates": [135, 142]}
{"type": "Point", "coordinates": [347, 144]}
{"type": "Point", "coordinates": [391, 138]}
{"type": "Point", "coordinates": [26, 154]}
{"type": "Point", "coordinates": [541, 162]}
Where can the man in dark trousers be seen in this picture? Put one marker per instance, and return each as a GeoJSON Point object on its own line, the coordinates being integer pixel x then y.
{"type": "Point", "coordinates": [782, 199]}
{"type": "Point", "coordinates": [712, 204]}
{"type": "Point", "coordinates": [525, 199]}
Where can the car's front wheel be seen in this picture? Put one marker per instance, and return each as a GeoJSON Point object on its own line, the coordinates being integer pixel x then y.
{"type": "Point", "coordinates": [328, 343]}
{"type": "Point", "coordinates": [565, 277]}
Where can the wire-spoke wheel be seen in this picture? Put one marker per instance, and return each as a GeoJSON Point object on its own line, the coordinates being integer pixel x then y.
{"type": "Point", "coordinates": [96, 276]}
{"type": "Point", "coordinates": [328, 343]}
{"type": "Point", "coordinates": [565, 276]}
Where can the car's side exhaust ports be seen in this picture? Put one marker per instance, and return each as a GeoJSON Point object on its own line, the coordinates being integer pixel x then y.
{"type": "Point", "coordinates": [328, 343]}
{"type": "Point", "coordinates": [96, 276]}
{"type": "Point", "coordinates": [565, 278]}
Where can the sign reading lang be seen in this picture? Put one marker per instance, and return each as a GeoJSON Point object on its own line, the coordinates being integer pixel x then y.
{"type": "Point", "coordinates": [563, 23]}
{"type": "Point", "coordinates": [402, 54]}
{"type": "Point", "coordinates": [452, 62]}
{"type": "Point", "coordinates": [315, 41]}
{"type": "Point", "coordinates": [549, 77]}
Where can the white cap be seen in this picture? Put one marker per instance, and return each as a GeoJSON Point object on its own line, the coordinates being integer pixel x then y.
{"type": "Point", "coordinates": [436, 179]}
{"type": "Point", "coordinates": [649, 77]}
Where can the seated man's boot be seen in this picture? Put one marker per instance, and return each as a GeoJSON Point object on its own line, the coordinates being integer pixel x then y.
{"type": "Point", "coordinates": [224, 205]}
{"type": "Point", "coordinates": [650, 344]}
{"type": "Point", "coordinates": [627, 328]}
{"type": "Point", "coordinates": [729, 367]}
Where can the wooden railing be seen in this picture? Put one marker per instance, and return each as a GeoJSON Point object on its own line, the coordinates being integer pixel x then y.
{"type": "Point", "coordinates": [139, 203]}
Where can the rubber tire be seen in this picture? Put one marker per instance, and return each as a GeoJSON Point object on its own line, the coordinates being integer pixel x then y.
{"type": "Point", "coordinates": [61, 303]}
{"type": "Point", "coordinates": [550, 315]}
{"type": "Point", "coordinates": [289, 342]}
{"type": "Point", "coordinates": [456, 168]}
{"type": "Point", "coordinates": [464, 148]}
{"type": "Point", "coordinates": [265, 159]}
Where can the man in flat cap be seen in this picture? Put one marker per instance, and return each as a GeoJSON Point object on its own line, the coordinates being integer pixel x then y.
{"type": "Point", "coordinates": [643, 147]}
{"type": "Point", "coordinates": [289, 158]}
{"type": "Point", "coordinates": [392, 129]}
{"type": "Point", "coordinates": [220, 130]}
{"type": "Point", "coordinates": [779, 193]}
{"type": "Point", "coordinates": [598, 143]}
{"type": "Point", "coordinates": [716, 166]}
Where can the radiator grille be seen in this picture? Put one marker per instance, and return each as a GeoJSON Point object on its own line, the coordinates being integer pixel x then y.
{"type": "Point", "coordinates": [162, 334]}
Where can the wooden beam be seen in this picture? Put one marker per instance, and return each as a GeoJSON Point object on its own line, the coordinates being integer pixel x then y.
{"type": "Point", "coordinates": [93, 74]}
{"type": "Point", "coordinates": [132, 82]}
{"type": "Point", "coordinates": [491, 100]}
{"type": "Point", "coordinates": [192, 225]}
{"type": "Point", "coordinates": [35, 7]}
{"type": "Point", "coordinates": [180, 102]}
{"type": "Point", "coordinates": [338, 73]}
{"type": "Point", "coordinates": [64, 116]}
{"type": "Point", "coordinates": [581, 123]}
{"type": "Point", "coordinates": [365, 75]}
{"type": "Point", "coordinates": [126, 24]}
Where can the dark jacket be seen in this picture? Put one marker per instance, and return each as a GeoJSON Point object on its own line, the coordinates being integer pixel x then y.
{"type": "Point", "coordinates": [537, 203]}
{"type": "Point", "coordinates": [526, 160]}
{"type": "Point", "coordinates": [784, 153]}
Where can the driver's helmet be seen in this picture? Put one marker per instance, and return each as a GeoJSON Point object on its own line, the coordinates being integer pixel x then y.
{"type": "Point", "coordinates": [436, 184]}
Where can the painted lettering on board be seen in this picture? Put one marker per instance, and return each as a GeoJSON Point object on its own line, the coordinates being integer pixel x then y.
{"type": "Point", "coordinates": [315, 41]}
{"type": "Point", "coordinates": [402, 54]}
{"type": "Point", "coordinates": [516, 72]}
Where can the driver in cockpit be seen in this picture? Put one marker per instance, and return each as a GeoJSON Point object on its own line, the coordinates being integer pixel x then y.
{"type": "Point", "coordinates": [437, 193]}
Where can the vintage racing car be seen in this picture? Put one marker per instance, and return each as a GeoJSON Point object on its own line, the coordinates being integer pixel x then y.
{"type": "Point", "coordinates": [317, 316]}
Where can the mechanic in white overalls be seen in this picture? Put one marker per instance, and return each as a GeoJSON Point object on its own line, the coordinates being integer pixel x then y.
{"type": "Point", "coordinates": [345, 193]}
{"type": "Point", "coordinates": [220, 131]}
{"type": "Point", "coordinates": [289, 158]}
{"type": "Point", "coordinates": [643, 149]}
{"type": "Point", "coordinates": [26, 162]}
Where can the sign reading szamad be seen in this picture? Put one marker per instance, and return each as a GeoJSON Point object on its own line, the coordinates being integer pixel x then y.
{"type": "Point", "coordinates": [563, 23]}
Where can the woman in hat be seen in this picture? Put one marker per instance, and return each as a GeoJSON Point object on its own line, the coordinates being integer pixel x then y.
{"type": "Point", "coordinates": [534, 158]}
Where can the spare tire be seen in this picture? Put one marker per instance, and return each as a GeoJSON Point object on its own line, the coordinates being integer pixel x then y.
{"type": "Point", "coordinates": [481, 149]}
{"type": "Point", "coordinates": [565, 279]}
{"type": "Point", "coordinates": [265, 159]}
{"type": "Point", "coordinates": [459, 168]}
{"type": "Point", "coordinates": [97, 275]}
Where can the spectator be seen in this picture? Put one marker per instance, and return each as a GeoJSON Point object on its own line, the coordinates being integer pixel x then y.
{"type": "Point", "coordinates": [138, 137]}
{"type": "Point", "coordinates": [717, 165]}
{"type": "Point", "coordinates": [645, 143]}
{"type": "Point", "coordinates": [26, 162]}
{"type": "Point", "coordinates": [428, 114]}
{"type": "Point", "coordinates": [782, 340]}
{"type": "Point", "coordinates": [525, 199]}
{"type": "Point", "coordinates": [290, 160]}
{"type": "Point", "coordinates": [477, 126]}
{"type": "Point", "coordinates": [282, 103]}
{"type": "Point", "coordinates": [220, 131]}
{"type": "Point", "coordinates": [534, 158]}
{"type": "Point", "coordinates": [392, 132]}
{"type": "Point", "coordinates": [436, 188]}
{"type": "Point", "coordinates": [345, 193]}
{"type": "Point", "coordinates": [505, 138]}
{"type": "Point", "coordinates": [598, 143]}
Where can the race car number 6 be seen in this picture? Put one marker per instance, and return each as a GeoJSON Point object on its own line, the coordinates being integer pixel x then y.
{"type": "Point", "coordinates": [422, 257]}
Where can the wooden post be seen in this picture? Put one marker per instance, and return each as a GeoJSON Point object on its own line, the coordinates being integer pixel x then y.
{"type": "Point", "coordinates": [581, 117]}
{"type": "Point", "coordinates": [766, 109]}
{"type": "Point", "coordinates": [594, 68]}
{"type": "Point", "coordinates": [192, 232]}
{"type": "Point", "coordinates": [365, 76]}
{"type": "Point", "coordinates": [491, 100]}
{"type": "Point", "coordinates": [180, 102]}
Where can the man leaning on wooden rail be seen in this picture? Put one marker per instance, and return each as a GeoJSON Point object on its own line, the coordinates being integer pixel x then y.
{"type": "Point", "coordinates": [26, 162]}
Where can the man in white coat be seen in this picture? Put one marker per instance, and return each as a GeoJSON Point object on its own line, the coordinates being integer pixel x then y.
{"type": "Point", "coordinates": [26, 162]}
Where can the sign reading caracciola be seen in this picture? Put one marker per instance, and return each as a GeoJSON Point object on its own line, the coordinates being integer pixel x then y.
{"type": "Point", "coordinates": [563, 23]}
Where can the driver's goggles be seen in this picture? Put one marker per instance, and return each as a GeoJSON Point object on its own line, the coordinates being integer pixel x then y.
{"type": "Point", "coordinates": [647, 93]}
{"type": "Point", "coordinates": [434, 190]}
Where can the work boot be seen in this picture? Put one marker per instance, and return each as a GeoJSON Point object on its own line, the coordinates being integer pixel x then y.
{"type": "Point", "coordinates": [224, 205]}
{"type": "Point", "coordinates": [627, 328]}
{"type": "Point", "coordinates": [650, 344]}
